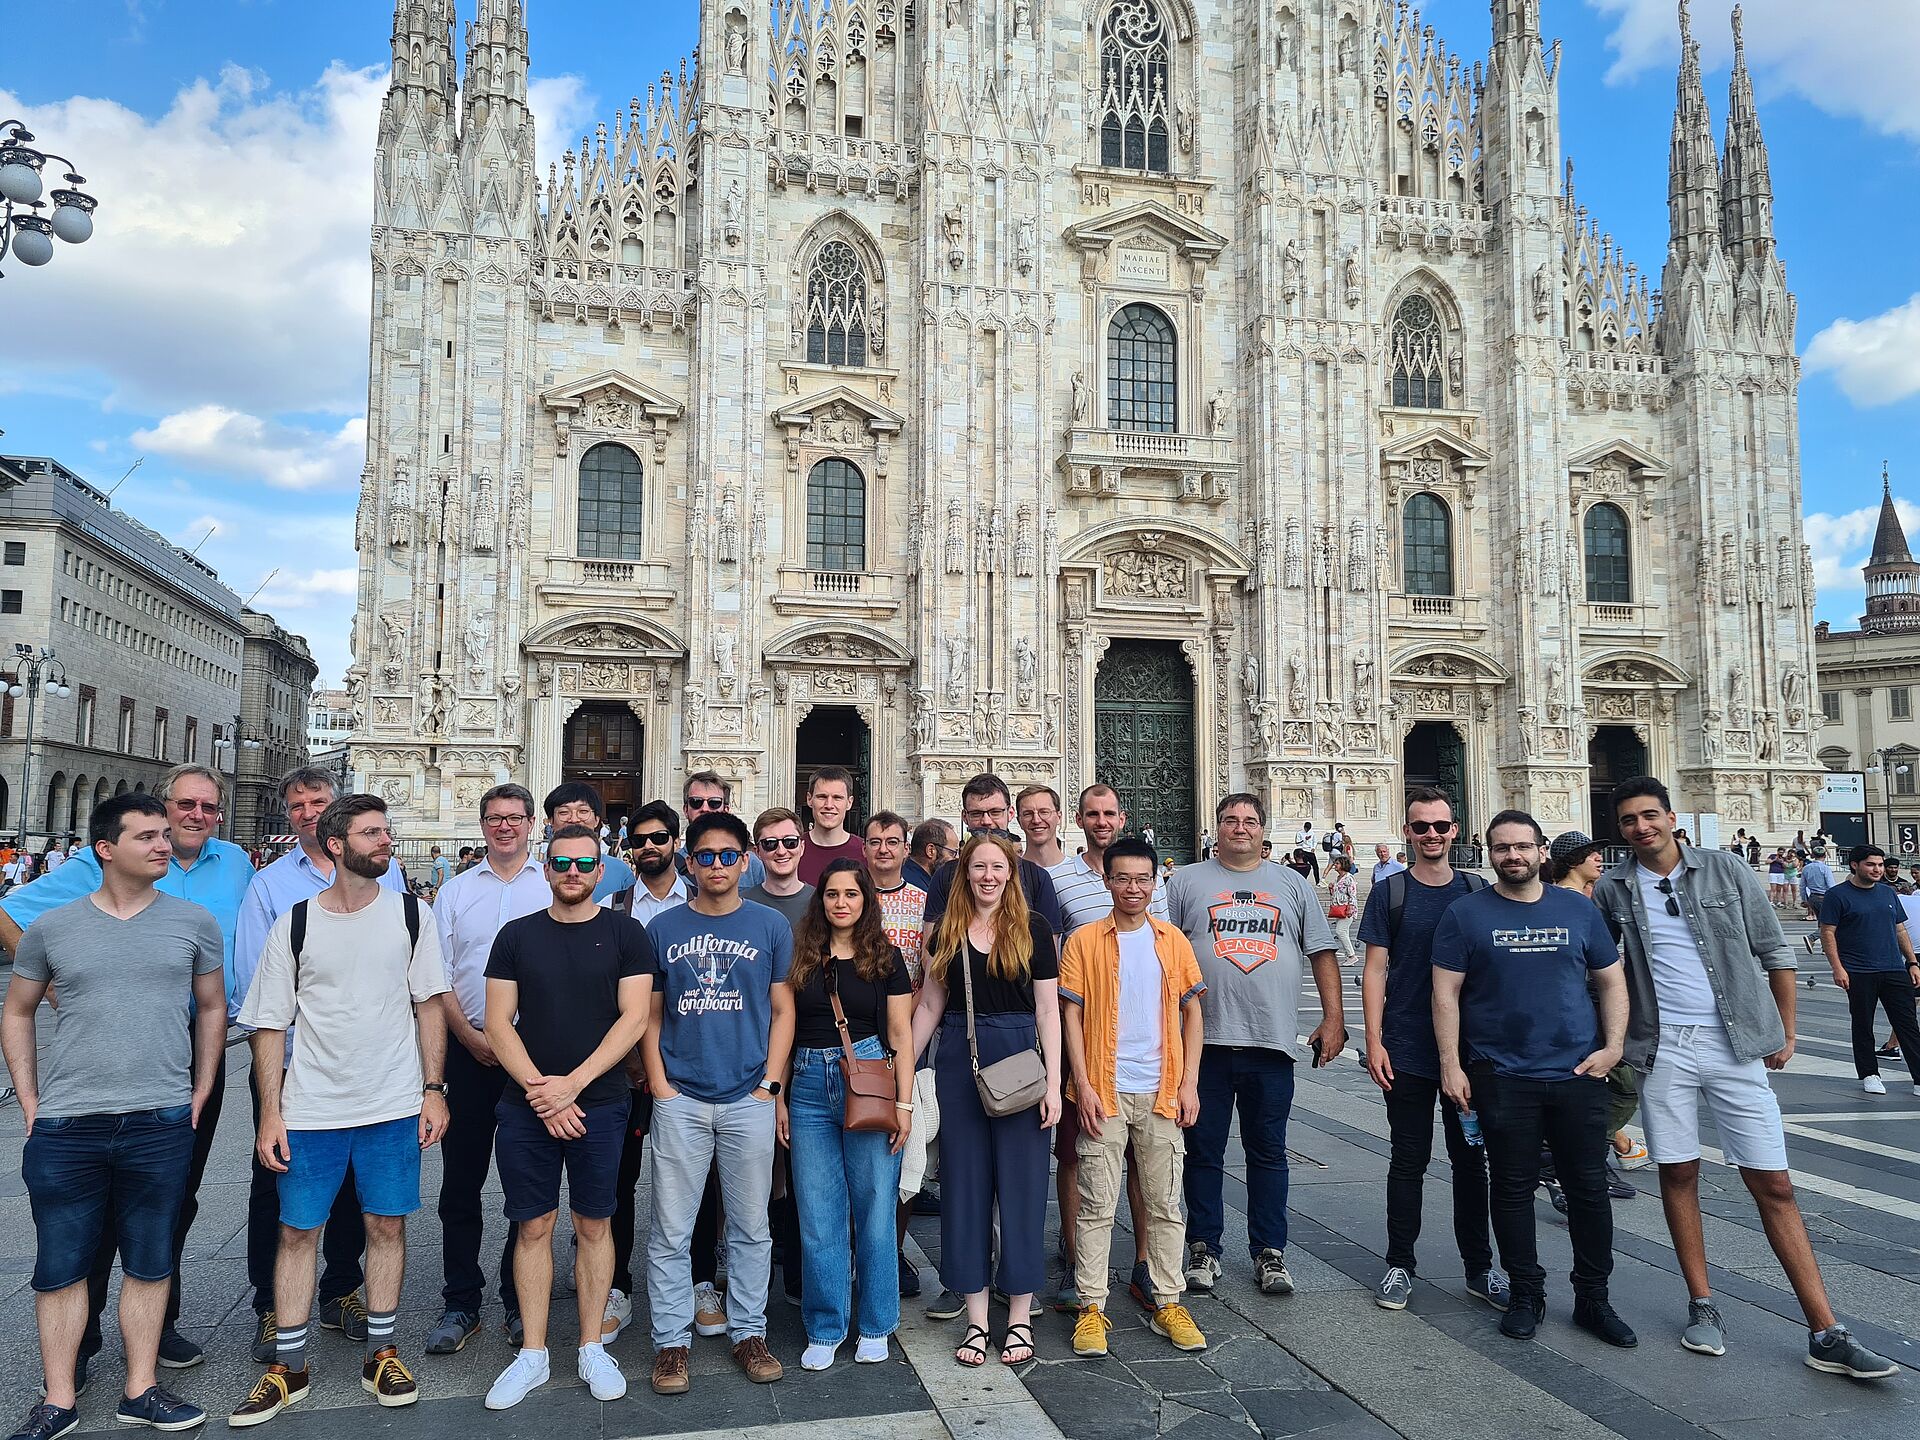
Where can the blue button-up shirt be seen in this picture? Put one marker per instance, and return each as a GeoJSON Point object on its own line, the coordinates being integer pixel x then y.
{"type": "Point", "coordinates": [274, 891]}
{"type": "Point", "coordinates": [217, 880]}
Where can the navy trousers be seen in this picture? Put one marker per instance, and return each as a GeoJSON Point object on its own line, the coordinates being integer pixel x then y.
{"type": "Point", "coordinates": [984, 1161]}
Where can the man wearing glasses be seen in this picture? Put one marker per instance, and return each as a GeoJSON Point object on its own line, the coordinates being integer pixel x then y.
{"type": "Point", "coordinates": [932, 845]}
{"type": "Point", "coordinates": [705, 793]}
{"type": "Point", "coordinates": [469, 912]}
{"type": "Point", "coordinates": [1403, 909]}
{"type": "Point", "coordinates": [986, 807]}
{"type": "Point", "coordinates": [578, 803]}
{"type": "Point", "coordinates": [655, 837]}
{"type": "Point", "coordinates": [783, 851]}
{"type": "Point", "coordinates": [719, 1039]}
{"type": "Point", "coordinates": [1710, 984]}
{"type": "Point", "coordinates": [212, 873]}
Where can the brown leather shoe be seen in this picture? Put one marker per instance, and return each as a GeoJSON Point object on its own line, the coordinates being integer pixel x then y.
{"type": "Point", "coordinates": [387, 1380]}
{"type": "Point", "coordinates": [271, 1393]}
{"type": "Point", "coordinates": [670, 1371]}
{"type": "Point", "coordinates": [753, 1357]}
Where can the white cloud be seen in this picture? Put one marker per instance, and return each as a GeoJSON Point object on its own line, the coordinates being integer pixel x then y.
{"type": "Point", "coordinates": [1875, 361]}
{"type": "Point", "coordinates": [1842, 543]}
{"type": "Point", "coordinates": [303, 590]}
{"type": "Point", "coordinates": [562, 108]}
{"type": "Point", "coordinates": [229, 442]}
{"type": "Point", "coordinates": [1842, 55]}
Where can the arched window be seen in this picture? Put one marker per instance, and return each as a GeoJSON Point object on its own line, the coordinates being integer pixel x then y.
{"type": "Point", "coordinates": [1427, 546]}
{"type": "Point", "coordinates": [836, 517]}
{"type": "Point", "coordinates": [836, 307]}
{"type": "Point", "coordinates": [1609, 558]}
{"type": "Point", "coordinates": [1419, 356]}
{"type": "Point", "coordinates": [1135, 75]}
{"type": "Point", "coordinates": [1142, 385]}
{"type": "Point", "coordinates": [610, 504]}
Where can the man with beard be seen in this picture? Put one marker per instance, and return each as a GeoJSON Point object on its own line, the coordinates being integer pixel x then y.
{"type": "Point", "coordinates": [356, 977]}
{"type": "Point", "coordinates": [1511, 969]}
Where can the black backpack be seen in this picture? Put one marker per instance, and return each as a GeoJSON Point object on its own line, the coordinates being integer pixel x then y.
{"type": "Point", "coordinates": [1397, 898]}
{"type": "Point", "coordinates": [408, 899]}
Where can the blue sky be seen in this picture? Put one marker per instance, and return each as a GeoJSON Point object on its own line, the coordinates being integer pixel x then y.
{"type": "Point", "coordinates": [216, 324]}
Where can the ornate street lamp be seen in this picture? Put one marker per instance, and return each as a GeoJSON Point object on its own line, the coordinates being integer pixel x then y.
{"type": "Point", "coordinates": [28, 235]}
{"type": "Point", "coordinates": [26, 674]}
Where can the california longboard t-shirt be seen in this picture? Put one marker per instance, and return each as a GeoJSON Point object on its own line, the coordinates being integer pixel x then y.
{"type": "Point", "coordinates": [716, 975]}
{"type": "Point", "coordinates": [1252, 931]}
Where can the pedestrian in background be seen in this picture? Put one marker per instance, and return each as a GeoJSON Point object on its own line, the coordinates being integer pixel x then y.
{"type": "Point", "coordinates": [1863, 929]}
{"type": "Point", "coordinates": [1343, 899]}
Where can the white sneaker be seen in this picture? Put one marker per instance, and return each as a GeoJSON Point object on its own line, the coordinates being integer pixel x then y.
{"type": "Point", "coordinates": [871, 1351]}
{"type": "Point", "coordinates": [818, 1357]}
{"type": "Point", "coordinates": [709, 1314]}
{"type": "Point", "coordinates": [527, 1373]}
{"type": "Point", "coordinates": [602, 1373]}
{"type": "Point", "coordinates": [1874, 1085]}
{"type": "Point", "coordinates": [619, 1315]}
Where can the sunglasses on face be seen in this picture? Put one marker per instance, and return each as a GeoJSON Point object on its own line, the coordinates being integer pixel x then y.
{"type": "Point", "coordinates": [773, 844]}
{"type": "Point", "coordinates": [585, 864]}
{"type": "Point", "coordinates": [1437, 827]}
{"type": "Point", "coordinates": [204, 807]}
{"type": "Point", "coordinates": [707, 859]}
{"type": "Point", "coordinates": [714, 802]}
{"type": "Point", "coordinates": [1665, 887]}
{"type": "Point", "coordinates": [652, 837]}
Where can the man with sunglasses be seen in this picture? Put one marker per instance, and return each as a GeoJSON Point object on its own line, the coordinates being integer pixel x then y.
{"type": "Point", "coordinates": [783, 851]}
{"type": "Point", "coordinates": [719, 1039]}
{"type": "Point", "coordinates": [705, 793]}
{"type": "Point", "coordinates": [1403, 910]}
{"type": "Point", "coordinates": [212, 873]}
{"type": "Point", "coordinates": [469, 912]}
{"type": "Point", "coordinates": [654, 839]}
{"type": "Point", "coordinates": [1710, 983]}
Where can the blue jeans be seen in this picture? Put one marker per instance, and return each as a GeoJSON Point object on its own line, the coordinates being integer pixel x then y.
{"type": "Point", "coordinates": [1260, 1082]}
{"type": "Point", "coordinates": [842, 1175]}
{"type": "Point", "coordinates": [689, 1137]}
{"type": "Point", "coordinates": [383, 1158]}
{"type": "Point", "coordinates": [80, 1168]}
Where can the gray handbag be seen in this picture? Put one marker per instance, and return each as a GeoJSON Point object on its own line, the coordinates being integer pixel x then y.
{"type": "Point", "coordinates": [1010, 1085]}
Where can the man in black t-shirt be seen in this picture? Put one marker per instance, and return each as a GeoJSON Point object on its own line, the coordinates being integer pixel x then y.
{"type": "Point", "coordinates": [569, 989]}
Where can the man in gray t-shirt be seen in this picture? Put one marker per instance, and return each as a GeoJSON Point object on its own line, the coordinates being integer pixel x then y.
{"type": "Point", "coordinates": [1253, 924]}
{"type": "Point", "coordinates": [110, 1124]}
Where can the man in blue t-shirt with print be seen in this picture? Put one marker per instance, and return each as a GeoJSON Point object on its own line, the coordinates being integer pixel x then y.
{"type": "Point", "coordinates": [1863, 928]}
{"type": "Point", "coordinates": [722, 1028]}
{"type": "Point", "coordinates": [1403, 911]}
{"type": "Point", "coordinates": [1512, 966]}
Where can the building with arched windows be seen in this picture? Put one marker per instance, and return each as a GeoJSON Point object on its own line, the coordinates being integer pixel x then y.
{"type": "Point", "coordinates": [1192, 394]}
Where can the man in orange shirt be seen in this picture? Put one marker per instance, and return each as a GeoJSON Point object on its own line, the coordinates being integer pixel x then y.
{"type": "Point", "coordinates": [1133, 1031]}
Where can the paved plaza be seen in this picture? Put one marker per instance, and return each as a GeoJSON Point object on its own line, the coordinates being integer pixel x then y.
{"type": "Point", "coordinates": [1325, 1362]}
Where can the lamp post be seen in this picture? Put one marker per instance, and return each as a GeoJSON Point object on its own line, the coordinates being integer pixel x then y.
{"type": "Point", "coordinates": [24, 232]}
{"type": "Point", "coordinates": [228, 739]}
{"type": "Point", "coordinates": [1878, 763]}
{"type": "Point", "coordinates": [26, 674]}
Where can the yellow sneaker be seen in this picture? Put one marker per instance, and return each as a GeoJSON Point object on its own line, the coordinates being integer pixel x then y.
{"type": "Point", "coordinates": [1090, 1332]}
{"type": "Point", "coordinates": [1177, 1325]}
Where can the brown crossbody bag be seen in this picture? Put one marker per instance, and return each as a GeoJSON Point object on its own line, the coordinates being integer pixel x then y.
{"type": "Point", "coordinates": [871, 1094]}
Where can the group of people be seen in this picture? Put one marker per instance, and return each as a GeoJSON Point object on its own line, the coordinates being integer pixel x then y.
{"type": "Point", "coordinates": [773, 1022]}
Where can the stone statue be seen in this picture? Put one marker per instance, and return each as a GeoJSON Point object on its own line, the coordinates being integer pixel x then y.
{"type": "Point", "coordinates": [510, 705]}
{"type": "Point", "coordinates": [1542, 293]}
{"type": "Point", "coordinates": [1023, 244]}
{"type": "Point", "coordinates": [996, 541]}
{"type": "Point", "coordinates": [732, 213]}
{"type": "Point", "coordinates": [956, 653]}
{"type": "Point", "coordinates": [1350, 271]}
{"type": "Point", "coordinates": [1349, 50]}
{"type": "Point", "coordinates": [1269, 721]}
{"type": "Point", "coordinates": [1250, 678]}
{"type": "Point", "coordinates": [1219, 413]}
{"type": "Point", "coordinates": [1022, 17]}
{"type": "Point", "coordinates": [1322, 558]}
{"type": "Point", "coordinates": [1082, 398]}
{"type": "Point", "coordinates": [1710, 737]}
{"type": "Point", "coordinates": [1769, 737]}
{"type": "Point", "coordinates": [1291, 266]}
{"type": "Point", "coordinates": [1737, 692]}
{"type": "Point", "coordinates": [1297, 683]}
{"type": "Point", "coordinates": [1184, 124]}
{"type": "Point", "coordinates": [478, 641]}
{"type": "Point", "coordinates": [1363, 671]}
{"type": "Point", "coordinates": [724, 643]}
{"type": "Point", "coordinates": [694, 713]}
{"type": "Point", "coordinates": [400, 517]}
{"type": "Point", "coordinates": [1026, 663]}
{"type": "Point", "coordinates": [516, 514]}
{"type": "Point", "coordinates": [736, 52]}
{"type": "Point", "coordinates": [433, 707]}
{"type": "Point", "coordinates": [1790, 684]}
{"type": "Point", "coordinates": [923, 720]}
{"type": "Point", "coordinates": [1529, 733]}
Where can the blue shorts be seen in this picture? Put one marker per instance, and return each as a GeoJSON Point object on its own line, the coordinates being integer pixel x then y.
{"type": "Point", "coordinates": [386, 1171]}
{"type": "Point", "coordinates": [74, 1164]}
{"type": "Point", "coordinates": [530, 1160]}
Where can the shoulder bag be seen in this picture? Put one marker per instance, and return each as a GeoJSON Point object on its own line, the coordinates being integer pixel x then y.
{"type": "Point", "coordinates": [871, 1093]}
{"type": "Point", "coordinates": [1008, 1086]}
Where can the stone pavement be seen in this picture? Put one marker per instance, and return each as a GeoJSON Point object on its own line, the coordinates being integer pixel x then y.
{"type": "Point", "coordinates": [1324, 1362]}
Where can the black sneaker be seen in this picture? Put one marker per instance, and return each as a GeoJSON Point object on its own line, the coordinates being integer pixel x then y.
{"type": "Point", "coordinates": [926, 1203]}
{"type": "Point", "coordinates": [1597, 1317]}
{"type": "Point", "coordinates": [348, 1315]}
{"type": "Point", "coordinates": [1617, 1187]}
{"type": "Point", "coordinates": [1140, 1287]}
{"type": "Point", "coordinates": [1556, 1196]}
{"type": "Point", "coordinates": [177, 1352]}
{"type": "Point", "coordinates": [909, 1278]}
{"type": "Point", "coordinates": [47, 1422]}
{"type": "Point", "coordinates": [1523, 1316]}
{"type": "Point", "coordinates": [516, 1332]}
{"type": "Point", "coordinates": [946, 1306]}
{"type": "Point", "coordinates": [265, 1339]}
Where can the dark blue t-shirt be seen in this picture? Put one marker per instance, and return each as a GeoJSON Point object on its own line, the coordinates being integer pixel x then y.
{"type": "Point", "coordinates": [1525, 1008]}
{"type": "Point", "coordinates": [1863, 922]}
{"type": "Point", "coordinates": [1406, 1023]}
{"type": "Point", "coordinates": [717, 974]}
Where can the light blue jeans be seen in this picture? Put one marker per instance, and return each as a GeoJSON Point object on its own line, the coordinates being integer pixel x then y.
{"type": "Point", "coordinates": [688, 1137]}
{"type": "Point", "coordinates": [842, 1177]}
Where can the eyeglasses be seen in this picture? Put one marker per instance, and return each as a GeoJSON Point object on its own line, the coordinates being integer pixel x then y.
{"type": "Point", "coordinates": [1131, 882]}
{"type": "Point", "coordinates": [506, 819]}
{"type": "Point", "coordinates": [1665, 887]}
{"type": "Point", "coordinates": [707, 859]}
{"type": "Point", "coordinates": [711, 802]}
{"type": "Point", "coordinates": [651, 837]}
{"type": "Point", "coordinates": [773, 844]}
{"type": "Point", "coordinates": [1438, 827]}
{"type": "Point", "coordinates": [189, 807]}
{"type": "Point", "coordinates": [585, 864]}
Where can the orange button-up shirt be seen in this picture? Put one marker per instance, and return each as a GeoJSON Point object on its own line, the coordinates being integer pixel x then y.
{"type": "Point", "coordinates": [1090, 978]}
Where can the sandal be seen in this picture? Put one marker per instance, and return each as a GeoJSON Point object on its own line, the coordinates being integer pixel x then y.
{"type": "Point", "coordinates": [1014, 1342]}
{"type": "Point", "coordinates": [970, 1353]}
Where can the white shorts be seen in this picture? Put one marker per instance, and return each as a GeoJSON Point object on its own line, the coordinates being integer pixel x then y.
{"type": "Point", "coordinates": [1695, 1061]}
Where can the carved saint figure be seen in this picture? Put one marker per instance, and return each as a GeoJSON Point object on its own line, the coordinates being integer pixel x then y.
{"type": "Point", "coordinates": [1026, 663]}
{"type": "Point", "coordinates": [1291, 265]}
{"type": "Point", "coordinates": [1297, 683]}
{"type": "Point", "coordinates": [516, 514]}
{"type": "Point", "coordinates": [1250, 677]}
{"type": "Point", "coordinates": [724, 643]}
{"type": "Point", "coordinates": [694, 713]}
{"type": "Point", "coordinates": [1542, 293]}
{"type": "Point", "coordinates": [923, 719]}
{"type": "Point", "coordinates": [736, 52]}
{"type": "Point", "coordinates": [1082, 398]}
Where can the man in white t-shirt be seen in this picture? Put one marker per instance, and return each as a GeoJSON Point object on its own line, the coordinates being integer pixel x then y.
{"type": "Point", "coordinates": [356, 975]}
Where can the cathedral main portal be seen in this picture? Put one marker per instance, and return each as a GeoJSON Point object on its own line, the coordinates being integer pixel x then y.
{"type": "Point", "coordinates": [1143, 740]}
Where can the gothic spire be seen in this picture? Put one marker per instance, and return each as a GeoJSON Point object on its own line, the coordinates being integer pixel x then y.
{"type": "Point", "coordinates": [1889, 536]}
{"type": "Point", "coordinates": [1693, 176]}
{"type": "Point", "coordinates": [1516, 20]}
{"type": "Point", "coordinates": [497, 65]}
{"type": "Point", "coordinates": [1747, 188]}
{"type": "Point", "coordinates": [423, 54]}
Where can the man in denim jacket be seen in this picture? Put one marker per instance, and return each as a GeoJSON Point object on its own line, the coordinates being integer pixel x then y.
{"type": "Point", "coordinates": [1710, 986]}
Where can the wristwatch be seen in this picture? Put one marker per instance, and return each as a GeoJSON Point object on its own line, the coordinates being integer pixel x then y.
{"type": "Point", "coordinates": [437, 1086]}
{"type": "Point", "coordinates": [772, 1087]}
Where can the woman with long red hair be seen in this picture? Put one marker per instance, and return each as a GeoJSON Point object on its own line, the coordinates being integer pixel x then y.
{"type": "Point", "coordinates": [985, 1161]}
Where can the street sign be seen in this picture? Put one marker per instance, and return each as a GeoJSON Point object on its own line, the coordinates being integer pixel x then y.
{"type": "Point", "coordinates": [1844, 791]}
{"type": "Point", "coordinates": [1907, 837]}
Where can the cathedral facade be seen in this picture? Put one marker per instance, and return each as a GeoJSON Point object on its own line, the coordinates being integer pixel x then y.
{"type": "Point", "coordinates": [1194, 395]}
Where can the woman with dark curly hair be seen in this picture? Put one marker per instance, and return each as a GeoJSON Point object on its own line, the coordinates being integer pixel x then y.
{"type": "Point", "coordinates": [842, 1176]}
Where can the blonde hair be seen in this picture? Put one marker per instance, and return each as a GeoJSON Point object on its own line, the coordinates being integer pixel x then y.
{"type": "Point", "coordinates": [1010, 957]}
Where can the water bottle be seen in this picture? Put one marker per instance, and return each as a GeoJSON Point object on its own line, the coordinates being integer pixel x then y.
{"type": "Point", "coordinates": [1470, 1127]}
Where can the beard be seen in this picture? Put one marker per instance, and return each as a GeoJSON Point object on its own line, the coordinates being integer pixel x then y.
{"type": "Point", "coordinates": [366, 865]}
{"type": "Point", "coordinates": [653, 861]}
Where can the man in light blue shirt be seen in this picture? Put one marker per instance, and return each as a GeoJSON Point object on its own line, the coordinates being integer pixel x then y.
{"type": "Point", "coordinates": [704, 792]}
{"type": "Point", "coordinates": [212, 873]}
{"type": "Point", "coordinates": [300, 874]}
{"type": "Point", "coordinates": [1816, 878]}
